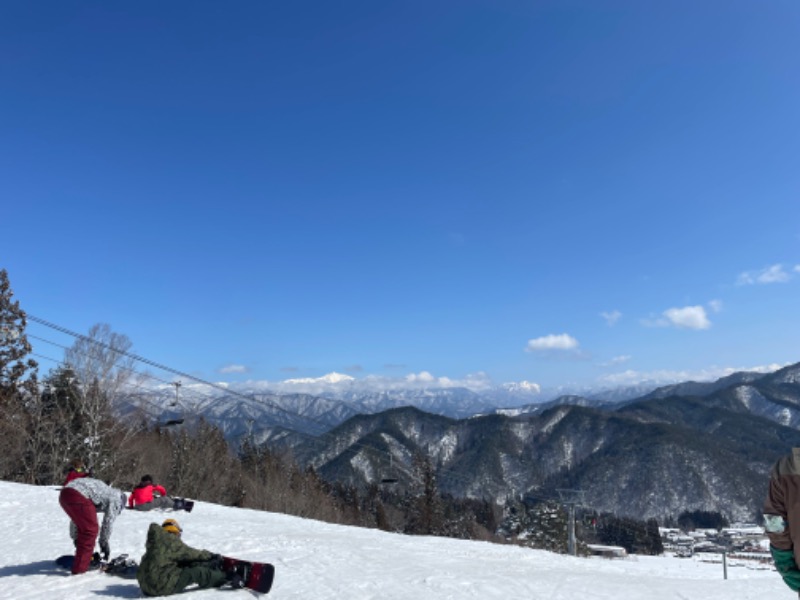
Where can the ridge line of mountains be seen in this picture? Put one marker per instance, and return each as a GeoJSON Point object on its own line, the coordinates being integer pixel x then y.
{"type": "Point", "coordinates": [683, 447]}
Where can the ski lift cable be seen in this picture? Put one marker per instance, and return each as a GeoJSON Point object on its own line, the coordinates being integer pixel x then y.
{"type": "Point", "coordinates": [63, 347]}
{"type": "Point", "coordinates": [168, 369]}
{"type": "Point", "coordinates": [390, 479]}
{"type": "Point", "coordinates": [140, 401]}
{"type": "Point", "coordinates": [323, 433]}
{"type": "Point", "coordinates": [134, 386]}
{"type": "Point", "coordinates": [58, 361]}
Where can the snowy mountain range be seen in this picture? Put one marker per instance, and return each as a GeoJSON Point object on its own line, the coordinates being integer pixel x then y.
{"type": "Point", "coordinates": [650, 455]}
{"type": "Point", "coordinates": [315, 405]}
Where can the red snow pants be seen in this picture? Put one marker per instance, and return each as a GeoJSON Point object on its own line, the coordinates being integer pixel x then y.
{"type": "Point", "coordinates": [83, 513]}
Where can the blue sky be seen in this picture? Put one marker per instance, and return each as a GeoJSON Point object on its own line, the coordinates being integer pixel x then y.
{"type": "Point", "coordinates": [557, 192]}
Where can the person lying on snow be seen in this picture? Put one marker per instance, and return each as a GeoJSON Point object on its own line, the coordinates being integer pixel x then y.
{"type": "Point", "coordinates": [169, 565]}
{"type": "Point", "coordinates": [148, 495]}
{"type": "Point", "coordinates": [82, 499]}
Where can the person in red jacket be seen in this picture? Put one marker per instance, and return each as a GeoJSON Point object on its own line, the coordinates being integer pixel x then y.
{"type": "Point", "coordinates": [148, 495]}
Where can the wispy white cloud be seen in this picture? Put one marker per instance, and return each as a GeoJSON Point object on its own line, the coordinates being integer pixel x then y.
{"type": "Point", "coordinates": [611, 317]}
{"type": "Point", "coordinates": [422, 377]}
{"type": "Point", "coordinates": [233, 369]}
{"type": "Point", "coordinates": [715, 306]}
{"type": "Point", "coordinates": [473, 381]}
{"type": "Point", "coordinates": [332, 378]}
{"type": "Point", "coordinates": [771, 274]}
{"type": "Point", "coordinates": [340, 382]}
{"type": "Point", "coordinates": [666, 376]}
{"type": "Point", "coordinates": [616, 361]}
{"type": "Point", "coordinates": [687, 317]}
{"type": "Point", "coordinates": [551, 342]}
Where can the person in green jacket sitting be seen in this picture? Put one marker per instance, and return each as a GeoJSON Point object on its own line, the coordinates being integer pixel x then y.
{"type": "Point", "coordinates": [169, 566]}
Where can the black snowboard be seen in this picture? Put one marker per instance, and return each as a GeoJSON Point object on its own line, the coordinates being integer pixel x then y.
{"type": "Point", "coordinates": [177, 504]}
{"type": "Point", "coordinates": [183, 504]}
{"type": "Point", "coordinates": [259, 575]}
{"type": "Point", "coordinates": [121, 566]}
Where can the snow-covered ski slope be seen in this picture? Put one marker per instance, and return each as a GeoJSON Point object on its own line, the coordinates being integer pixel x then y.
{"type": "Point", "coordinates": [318, 561]}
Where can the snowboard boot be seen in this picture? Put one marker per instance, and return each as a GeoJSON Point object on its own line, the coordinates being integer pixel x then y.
{"type": "Point", "coordinates": [182, 504]}
{"type": "Point", "coordinates": [121, 565]}
{"type": "Point", "coordinates": [237, 576]}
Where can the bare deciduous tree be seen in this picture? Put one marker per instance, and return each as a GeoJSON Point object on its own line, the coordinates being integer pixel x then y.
{"type": "Point", "coordinates": [103, 371]}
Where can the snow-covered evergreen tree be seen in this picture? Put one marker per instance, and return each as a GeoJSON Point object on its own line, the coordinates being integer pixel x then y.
{"type": "Point", "coordinates": [18, 385]}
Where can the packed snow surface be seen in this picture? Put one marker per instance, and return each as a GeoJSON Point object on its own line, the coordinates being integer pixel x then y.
{"type": "Point", "coordinates": [318, 561]}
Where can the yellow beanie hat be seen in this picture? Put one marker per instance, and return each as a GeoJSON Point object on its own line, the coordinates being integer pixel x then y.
{"type": "Point", "coordinates": [172, 526]}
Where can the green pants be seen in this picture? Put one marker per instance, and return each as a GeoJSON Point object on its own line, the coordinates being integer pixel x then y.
{"type": "Point", "coordinates": [203, 576]}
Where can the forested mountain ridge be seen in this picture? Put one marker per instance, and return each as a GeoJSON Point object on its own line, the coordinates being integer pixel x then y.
{"type": "Point", "coordinates": [653, 457]}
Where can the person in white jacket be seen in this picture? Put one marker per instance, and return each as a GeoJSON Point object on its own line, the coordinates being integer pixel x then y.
{"type": "Point", "coordinates": [82, 499]}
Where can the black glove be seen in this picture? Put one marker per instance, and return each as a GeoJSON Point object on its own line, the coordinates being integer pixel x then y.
{"type": "Point", "coordinates": [215, 561]}
{"type": "Point", "coordinates": [105, 551]}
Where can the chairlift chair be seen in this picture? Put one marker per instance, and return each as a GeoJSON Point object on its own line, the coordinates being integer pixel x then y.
{"type": "Point", "coordinates": [390, 476]}
{"type": "Point", "coordinates": [175, 404]}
